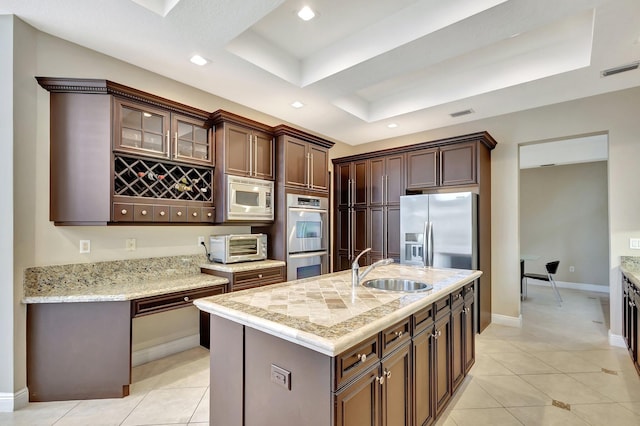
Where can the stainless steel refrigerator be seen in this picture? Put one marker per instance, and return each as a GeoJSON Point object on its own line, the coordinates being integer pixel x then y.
{"type": "Point", "coordinates": [442, 228]}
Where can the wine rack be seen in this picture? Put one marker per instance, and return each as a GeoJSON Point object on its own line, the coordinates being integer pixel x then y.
{"type": "Point", "coordinates": [135, 177]}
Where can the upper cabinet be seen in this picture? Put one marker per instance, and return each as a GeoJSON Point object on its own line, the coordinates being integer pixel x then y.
{"type": "Point", "coordinates": [386, 180]}
{"type": "Point", "coordinates": [119, 155]}
{"type": "Point", "coordinates": [144, 130]}
{"type": "Point", "coordinates": [303, 159]}
{"type": "Point", "coordinates": [449, 165]}
{"type": "Point", "coordinates": [243, 147]}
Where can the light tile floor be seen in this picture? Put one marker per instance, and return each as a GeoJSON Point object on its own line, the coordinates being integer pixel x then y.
{"type": "Point", "coordinates": [560, 354]}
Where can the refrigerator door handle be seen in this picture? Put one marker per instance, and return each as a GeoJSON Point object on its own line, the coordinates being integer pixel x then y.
{"type": "Point", "coordinates": [427, 241]}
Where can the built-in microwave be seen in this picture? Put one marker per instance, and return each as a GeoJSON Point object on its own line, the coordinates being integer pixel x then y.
{"type": "Point", "coordinates": [249, 199]}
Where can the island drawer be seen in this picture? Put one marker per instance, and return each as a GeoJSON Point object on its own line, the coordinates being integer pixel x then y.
{"type": "Point", "coordinates": [457, 297]}
{"type": "Point", "coordinates": [442, 307]}
{"type": "Point", "coordinates": [395, 336]}
{"type": "Point", "coordinates": [423, 319]}
{"type": "Point", "coordinates": [165, 302]}
{"type": "Point", "coordinates": [355, 360]}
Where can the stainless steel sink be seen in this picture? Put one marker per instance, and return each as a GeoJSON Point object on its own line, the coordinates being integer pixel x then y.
{"type": "Point", "coordinates": [395, 284]}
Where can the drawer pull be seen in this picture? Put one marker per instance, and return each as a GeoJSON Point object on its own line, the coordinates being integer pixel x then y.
{"type": "Point", "coordinates": [195, 214]}
{"type": "Point", "coordinates": [259, 275]}
{"type": "Point", "coordinates": [162, 213]}
{"type": "Point", "coordinates": [398, 334]}
{"type": "Point", "coordinates": [179, 214]}
{"type": "Point", "coordinates": [387, 373]}
{"type": "Point", "coordinates": [437, 334]}
{"type": "Point", "coordinates": [143, 212]}
{"type": "Point", "coordinates": [380, 380]}
{"type": "Point", "coordinates": [186, 298]}
{"type": "Point", "coordinates": [123, 211]}
{"type": "Point", "coordinates": [209, 214]}
{"type": "Point", "coordinates": [362, 357]}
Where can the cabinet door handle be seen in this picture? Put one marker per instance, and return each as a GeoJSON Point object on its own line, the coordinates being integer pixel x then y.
{"type": "Point", "coordinates": [175, 145]}
{"type": "Point", "coordinates": [250, 155]}
{"type": "Point", "coordinates": [168, 145]}
{"type": "Point", "coordinates": [259, 275]}
{"type": "Point", "coordinates": [186, 298]}
{"type": "Point", "coordinates": [349, 192]}
{"type": "Point", "coordinates": [387, 373]}
{"type": "Point", "coordinates": [311, 170]}
{"type": "Point", "coordinates": [380, 379]}
{"type": "Point", "coordinates": [362, 357]}
{"type": "Point", "coordinates": [255, 155]}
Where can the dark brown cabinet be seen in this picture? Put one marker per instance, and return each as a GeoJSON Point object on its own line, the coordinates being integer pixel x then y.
{"type": "Point", "coordinates": [451, 165]}
{"type": "Point", "coordinates": [243, 280]}
{"type": "Point", "coordinates": [442, 360]}
{"type": "Point", "coordinates": [423, 401]}
{"type": "Point", "coordinates": [153, 132]}
{"type": "Point", "coordinates": [243, 147]}
{"type": "Point", "coordinates": [114, 160]}
{"type": "Point", "coordinates": [382, 396]}
{"type": "Point", "coordinates": [351, 215]}
{"type": "Point", "coordinates": [375, 181]}
{"type": "Point", "coordinates": [631, 319]}
{"type": "Point", "coordinates": [303, 159]}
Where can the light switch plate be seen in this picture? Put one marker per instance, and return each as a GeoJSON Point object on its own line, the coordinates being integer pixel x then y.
{"type": "Point", "coordinates": [634, 243]}
{"type": "Point", "coordinates": [281, 377]}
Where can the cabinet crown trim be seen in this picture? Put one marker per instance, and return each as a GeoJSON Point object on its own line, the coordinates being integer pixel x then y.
{"type": "Point", "coordinates": [483, 137]}
{"type": "Point", "coordinates": [103, 87]}
{"type": "Point", "coordinates": [220, 116]}
{"type": "Point", "coordinates": [284, 130]}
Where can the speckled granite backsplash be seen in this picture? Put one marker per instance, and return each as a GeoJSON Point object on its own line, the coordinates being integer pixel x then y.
{"type": "Point", "coordinates": [630, 262]}
{"type": "Point", "coordinates": [113, 272]}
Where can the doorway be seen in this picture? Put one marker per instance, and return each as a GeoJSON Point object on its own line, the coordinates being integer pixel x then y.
{"type": "Point", "coordinates": [564, 216]}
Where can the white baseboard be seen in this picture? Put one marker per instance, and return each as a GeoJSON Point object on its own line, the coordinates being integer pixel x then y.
{"type": "Point", "coordinates": [13, 401]}
{"type": "Point", "coordinates": [617, 340]}
{"type": "Point", "coordinates": [143, 356]}
{"type": "Point", "coordinates": [506, 320]}
{"type": "Point", "coordinates": [573, 286]}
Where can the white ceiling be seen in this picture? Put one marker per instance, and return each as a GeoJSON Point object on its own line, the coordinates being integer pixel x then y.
{"type": "Point", "coordinates": [363, 64]}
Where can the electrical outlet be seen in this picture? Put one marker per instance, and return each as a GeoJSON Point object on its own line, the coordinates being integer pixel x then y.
{"type": "Point", "coordinates": [280, 376]}
{"type": "Point", "coordinates": [200, 241]}
{"type": "Point", "coordinates": [634, 243]}
{"type": "Point", "coordinates": [85, 246]}
{"type": "Point", "coordinates": [131, 244]}
{"type": "Point", "coordinates": [572, 268]}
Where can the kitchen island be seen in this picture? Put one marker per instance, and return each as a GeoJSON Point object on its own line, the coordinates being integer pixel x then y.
{"type": "Point", "coordinates": [319, 352]}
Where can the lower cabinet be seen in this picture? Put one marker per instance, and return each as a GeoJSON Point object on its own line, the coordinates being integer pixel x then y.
{"type": "Point", "coordinates": [631, 319]}
{"type": "Point", "coordinates": [413, 383]}
{"type": "Point", "coordinates": [381, 396]}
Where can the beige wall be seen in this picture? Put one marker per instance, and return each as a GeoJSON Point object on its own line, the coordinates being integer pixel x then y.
{"type": "Point", "coordinates": [38, 242]}
{"type": "Point", "coordinates": [564, 216]}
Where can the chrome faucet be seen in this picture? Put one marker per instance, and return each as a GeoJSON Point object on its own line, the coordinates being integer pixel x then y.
{"type": "Point", "coordinates": [356, 276]}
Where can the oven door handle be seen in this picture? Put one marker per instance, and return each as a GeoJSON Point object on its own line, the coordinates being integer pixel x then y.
{"type": "Point", "coordinates": [302, 209]}
{"type": "Point", "coordinates": [305, 255]}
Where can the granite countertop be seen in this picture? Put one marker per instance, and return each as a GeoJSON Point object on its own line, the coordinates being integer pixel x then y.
{"type": "Point", "coordinates": [630, 266]}
{"type": "Point", "coordinates": [325, 313]}
{"type": "Point", "coordinates": [116, 280]}
{"type": "Point", "coordinates": [243, 266]}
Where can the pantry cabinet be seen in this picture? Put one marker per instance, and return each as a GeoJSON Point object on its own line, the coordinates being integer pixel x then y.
{"type": "Point", "coordinates": [375, 181]}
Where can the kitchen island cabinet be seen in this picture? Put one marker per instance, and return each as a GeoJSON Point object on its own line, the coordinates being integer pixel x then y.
{"type": "Point", "coordinates": [630, 268]}
{"type": "Point", "coordinates": [320, 352]}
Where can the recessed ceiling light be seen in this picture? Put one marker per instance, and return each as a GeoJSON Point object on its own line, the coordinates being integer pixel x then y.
{"type": "Point", "coordinates": [392, 125]}
{"type": "Point", "coordinates": [306, 14]}
{"type": "Point", "coordinates": [297, 104]}
{"type": "Point", "coordinates": [198, 60]}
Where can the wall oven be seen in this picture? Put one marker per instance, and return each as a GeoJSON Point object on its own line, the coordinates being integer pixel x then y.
{"type": "Point", "coordinates": [307, 236]}
{"type": "Point", "coordinates": [249, 199]}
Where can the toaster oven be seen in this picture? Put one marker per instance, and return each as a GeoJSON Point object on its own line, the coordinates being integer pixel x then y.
{"type": "Point", "coordinates": [237, 248]}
